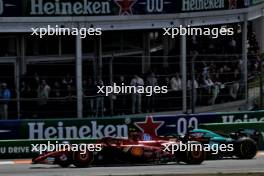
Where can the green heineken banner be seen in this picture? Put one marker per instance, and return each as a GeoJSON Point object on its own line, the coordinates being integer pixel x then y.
{"type": "Point", "coordinates": [31, 8]}
{"type": "Point", "coordinates": [18, 135]}
{"type": "Point", "coordinates": [117, 127]}
{"type": "Point", "coordinates": [254, 2]}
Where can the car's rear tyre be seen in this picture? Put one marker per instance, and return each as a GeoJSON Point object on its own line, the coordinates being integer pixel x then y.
{"type": "Point", "coordinates": [195, 156]}
{"type": "Point", "coordinates": [246, 148]}
{"type": "Point", "coordinates": [82, 160]}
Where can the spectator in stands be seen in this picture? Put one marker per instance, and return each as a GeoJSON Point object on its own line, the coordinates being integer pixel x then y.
{"type": "Point", "coordinates": [232, 45]}
{"type": "Point", "coordinates": [100, 101]}
{"type": "Point", "coordinates": [90, 95]}
{"type": "Point", "coordinates": [257, 64]}
{"type": "Point", "coordinates": [215, 89]}
{"type": "Point", "coordinates": [205, 72]}
{"type": "Point", "coordinates": [253, 44]}
{"type": "Point", "coordinates": [43, 95]}
{"type": "Point", "coordinates": [212, 68]}
{"type": "Point", "coordinates": [151, 81]}
{"type": "Point", "coordinates": [166, 82]}
{"type": "Point", "coordinates": [67, 80]}
{"type": "Point", "coordinates": [56, 90]}
{"type": "Point", "coordinates": [233, 91]}
{"type": "Point", "coordinates": [5, 97]}
{"type": "Point", "coordinates": [35, 82]}
{"type": "Point", "coordinates": [209, 85]}
{"type": "Point", "coordinates": [121, 98]}
{"type": "Point", "coordinates": [24, 94]}
{"type": "Point", "coordinates": [26, 91]}
{"type": "Point", "coordinates": [196, 86]}
{"type": "Point", "coordinates": [67, 83]}
{"type": "Point", "coordinates": [225, 74]}
{"type": "Point", "coordinates": [176, 83]}
{"type": "Point", "coordinates": [56, 101]}
{"type": "Point", "coordinates": [69, 92]}
{"type": "Point", "coordinates": [136, 97]}
{"type": "Point", "coordinates": [29, 105]}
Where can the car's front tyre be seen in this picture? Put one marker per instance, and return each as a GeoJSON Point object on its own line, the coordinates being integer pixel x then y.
{"type": "Point", "coordinates": [194, 156]}
{"type": "Point", "coordinates": [63, 161]}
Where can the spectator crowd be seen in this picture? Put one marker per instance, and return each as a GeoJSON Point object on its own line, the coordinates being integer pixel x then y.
{"type": "Point", "coordinates": [218, 78]}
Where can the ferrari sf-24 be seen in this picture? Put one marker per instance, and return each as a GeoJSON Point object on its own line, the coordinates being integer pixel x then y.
{"type": "Point", "coordinates": [138, 148]}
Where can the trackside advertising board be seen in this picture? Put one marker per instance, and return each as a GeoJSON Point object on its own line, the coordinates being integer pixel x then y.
{"type": "Point", "coordinates": [17, 136]}
{"type": "Point", "coordinates": [17, 8]}
{"type": "Point", "coordinates": [116, 127]}
{"type": "Point", "coordinates": [23, 148]}
{"type": "Point", "coordinates": [254, 2]}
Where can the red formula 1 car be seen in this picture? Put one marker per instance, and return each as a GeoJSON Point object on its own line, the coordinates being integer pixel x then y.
{"type": "Point", "coordinates": [136, 149]}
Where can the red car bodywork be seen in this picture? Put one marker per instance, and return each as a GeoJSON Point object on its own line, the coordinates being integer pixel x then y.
{"type": "Point", "coordinates": [120, 150]}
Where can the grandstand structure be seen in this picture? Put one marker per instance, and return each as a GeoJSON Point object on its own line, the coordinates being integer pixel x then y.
{"type": "Point", "coordinates": [132, 42]}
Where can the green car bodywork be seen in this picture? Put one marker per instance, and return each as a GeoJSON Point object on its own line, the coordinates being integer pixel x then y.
{"type": "Point", "coordinates": [212, 136]}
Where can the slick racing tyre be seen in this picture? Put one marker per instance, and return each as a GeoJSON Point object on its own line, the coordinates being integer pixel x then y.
{"type": "Point", "coordinates": [82, 160]}
{"type": "Point", "coordinates": [63, 161]}
{"type": "Point", "coordinates": [246, 148]}
{"type": "Point", "coordinates": [195, 156]}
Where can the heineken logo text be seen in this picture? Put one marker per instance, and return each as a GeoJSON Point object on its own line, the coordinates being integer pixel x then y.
{"type": "Point", "coordinates": [196, 5]}
{"type": "Point", "coordinates": [232, 119]}
{"type": "Point", "coordinates": [39, 130]}
{"type": "Point", "coordinates": [85, 7]}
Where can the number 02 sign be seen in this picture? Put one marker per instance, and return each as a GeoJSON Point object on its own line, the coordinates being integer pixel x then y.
{"type": "Point", "coordinates": [155, 5]}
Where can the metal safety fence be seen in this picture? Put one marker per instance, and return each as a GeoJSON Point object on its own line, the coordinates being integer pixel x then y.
{"type": "Point", "coordinates": [49, 91]}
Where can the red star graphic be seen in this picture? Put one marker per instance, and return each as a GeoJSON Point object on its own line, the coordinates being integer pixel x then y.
{"type": "Point", "coordinates": [125, 6]}
{"type": "Point", "coordinates": [149, 126]}
{"type": "Point", "coordinates": [232, 4]}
